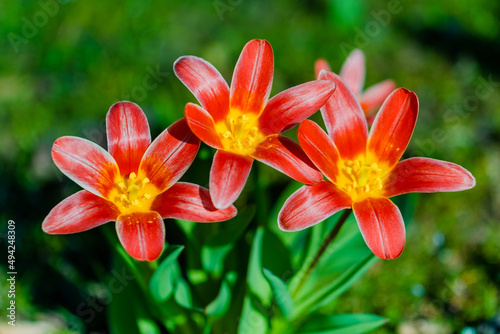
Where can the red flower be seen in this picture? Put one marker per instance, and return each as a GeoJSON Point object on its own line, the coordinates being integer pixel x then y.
{"type": "Point", "coordinates": [243, 125]}
{"type": "Point", "coordinates": [135, 184]}
{"type": "Point", "coordinates": [353, 74]}
{"type": "Point", "coordinates": [363, 171]}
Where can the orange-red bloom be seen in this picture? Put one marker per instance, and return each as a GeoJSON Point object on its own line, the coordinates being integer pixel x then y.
{"type": "Point", "coordinates": [363, 171]}
{"type": "Point", "coordinates": [135, 184]}
{"type": "Point", "coordinates": [242, 124]}
{"type": "Point", "coordinates": [353, 73]}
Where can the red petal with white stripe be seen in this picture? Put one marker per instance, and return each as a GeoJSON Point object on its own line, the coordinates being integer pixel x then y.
{"type": "Point", "coordinates": [228, 176]}
{"type": "Point", "coordinates": [128, 135]}
{"type": "Point", "coordinates": [382, 226]}
{"type": "Point", "coordinates": [206, 84]}
{"type": "Point", "coordinates": [344, 119]}
{"type": "Point", "coordinates": [190, 202]}
{"type": "Point", "coordinates": [319, 148]}
{"type": "Point", "coordinates": [87, 164]}
{"type": "Point", "coordinates": [353, 71]}
{"type": "Point", "coordinates": [312, 204]}
{"type": "Point", "coordinates": [79, 212]}
{"type": "Point", "coordinates": [294, 105]}
{"type": "Point", "coordinates": [393, 127]}
{"type": "Point", "coordinates": [170, 155]}
{"type": "Point", "coordinates": [285, 155]}
{"type": "Point", "coordinates": [252, 77]}
{"type": "Point", "coordinates": [426, 175]}
{"type": "Point", "coordinates": [202, 124]}
{"type": "Point", "coordinates": [142, 234]}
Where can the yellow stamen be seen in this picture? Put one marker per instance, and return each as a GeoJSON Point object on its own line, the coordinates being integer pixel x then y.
{"type": "Point", "coordinates": [239, 133]}
{"type": "Point", "coordinates": [133, 193]}
{"type": "Point", "coordinates": [361, 179]}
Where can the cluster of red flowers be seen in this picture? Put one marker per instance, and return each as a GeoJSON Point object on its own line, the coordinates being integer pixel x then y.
{"type": "Point", "coordinates": [135, 182]}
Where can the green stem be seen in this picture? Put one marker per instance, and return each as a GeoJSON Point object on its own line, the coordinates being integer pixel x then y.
{"type": "Point", "coordinates": [261, 195]}
{"type": "Point", "coordinates": [328, 240]}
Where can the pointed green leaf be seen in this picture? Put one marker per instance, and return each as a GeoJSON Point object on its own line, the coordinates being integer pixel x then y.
{"type": "Point", "coordinates": [253, 319]}
{"type": "Point", "coordinates": [127, 317]}
{"type": "Point", "coordinates": [310, 301]}
{"type": "Point", "coordinates": [281, 294]}
{"type": "Point", "coordinates": [147, 326]}
{"type": "Point", "coordinates": [255, 314]}
{"type": "Point", "coordinates": [341, 324]}
{"type": "Point", "coordinates": [182, 294]}
{"type": "Point", "coordinates": [255, 277]}
{"type": "Point", "coordinates": [165, 278]}
{"type": "Point", "coordinates": [221, 303]}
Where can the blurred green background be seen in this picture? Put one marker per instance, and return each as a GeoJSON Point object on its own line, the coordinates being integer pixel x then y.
{"type": "Point", "coordinates": [64, 63]}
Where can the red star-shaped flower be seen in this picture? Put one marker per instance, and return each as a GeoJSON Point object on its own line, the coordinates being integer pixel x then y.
{"type": "Point", "coordinates": [243, 125]}
{"type": "Point", "coordinates": [135, 184]}
{"type": "Point", "coordinates": [363, 171]}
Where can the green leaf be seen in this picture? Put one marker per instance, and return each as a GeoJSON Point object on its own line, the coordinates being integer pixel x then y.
{"type": "Point", "coordinates": [281, 294]}
{"type": "Point", "coordinates": [216, 248]}
{"type": "Point", "coordinates": [254, 319]}
{"type": "Point", "coordinates": [121, 316]}
{"type": "Point", "coordinates": [165, 278]}
{"type": "Point", "coordinates": [147, 326]}
{"type": "Point", "coordinates": [182, 294]}
{"type": "Point", "coordinates": [255, 314]}
{"type": "Point", "coordinates": [310, 301]}
{"type": "Point", "coordinates": [255, 277]}
{"type": "Point", "coordinates": [127, 317]}
{"type": "Point", "coordinates": [221, 303]}
{"type": "Point", "coordinates": [341, 324]}
{"type": "Point", "coordinates": [295, 242]}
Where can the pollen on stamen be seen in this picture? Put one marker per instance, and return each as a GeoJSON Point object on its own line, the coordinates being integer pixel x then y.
{"type": "Point", "coordinates": [360, 179]}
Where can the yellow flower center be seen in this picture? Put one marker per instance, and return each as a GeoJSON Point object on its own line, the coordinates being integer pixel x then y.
{"type": "Point", "coordinates": [239, 133]}
{"type": "Point", "coordinates": [361, 179]}
{"type": "Point", "coordinates": [133, 194]}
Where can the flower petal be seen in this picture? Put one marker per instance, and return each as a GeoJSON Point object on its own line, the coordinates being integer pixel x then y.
{"type": "Point", "coordinates": [319, 65]}
{"type": "Point", "coordinates": [393, 127]}
{"type": "Point", "coordinates": [382, 226]}
{"type": "Point", "coordinates": [142, 234]}
{"type": "Point", "coordinates": [344, 119]}
{"type": "Point", "coordinates": [319, 148]}
{"type": "Point", "coordinates": [252, 77]}
{"type": "Point", "coordinates": [202, 124]}
{"type": "Point", "coordinates": [190, 202]}
{"type": "Point", "coordinates": [294, 105]}
{"type": "Point", "coordinates": [426, 175]}
{"type": "Point", "coordinates": [285, 155]}
{"type": "Point", "coordinates": [86, 163]}
{"type": "Point", "coordinates": [128, 135]}
{"type": "Point", "coordinates": [79, 212]}
{"type": "Point", "coordinates": [170, 155]}
{"type": "Point", "coordinates": [312, 204]}
{"type": "Point", "coordinates": [206, 84]}
{"type": "Point", "coordinates": [228, 176]}
{"type": "Point", "coordinates": [374, 96]}
{"type": "Point", "coordinates": [353, 71]}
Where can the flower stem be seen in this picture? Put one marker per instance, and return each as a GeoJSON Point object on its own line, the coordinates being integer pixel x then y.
{"type": "Point", "coordinates": [328, 240]}
{"type": "Point", "coordinates": [261, 195]}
